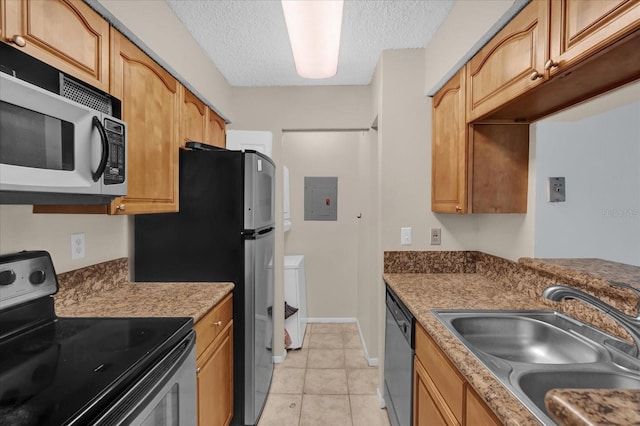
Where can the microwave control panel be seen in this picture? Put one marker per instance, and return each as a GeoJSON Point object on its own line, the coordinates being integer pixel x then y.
{"type": "Point", "coordinates": [114, 173]}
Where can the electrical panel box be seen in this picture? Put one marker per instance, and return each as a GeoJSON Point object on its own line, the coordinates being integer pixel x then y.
{"type": "Point", "coordinates": [320, 198]}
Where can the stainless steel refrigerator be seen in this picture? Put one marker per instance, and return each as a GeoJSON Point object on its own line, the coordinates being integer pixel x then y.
{"type": "Point", "coordinates": [224, 231]}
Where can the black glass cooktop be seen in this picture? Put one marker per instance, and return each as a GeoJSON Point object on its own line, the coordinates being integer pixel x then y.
{"type": "Point", "coordinates": [67, 370]}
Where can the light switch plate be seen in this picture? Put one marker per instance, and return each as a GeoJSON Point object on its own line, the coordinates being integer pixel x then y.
{"type": "Point", "coordinates": [405, 236]}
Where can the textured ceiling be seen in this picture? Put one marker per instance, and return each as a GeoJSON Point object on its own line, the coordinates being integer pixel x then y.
{"type": "Point", "coordinates": [248, 42]}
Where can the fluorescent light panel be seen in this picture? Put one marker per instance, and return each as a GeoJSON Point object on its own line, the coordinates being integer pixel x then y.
{"type": "Point", "coordinates": [314, 32]}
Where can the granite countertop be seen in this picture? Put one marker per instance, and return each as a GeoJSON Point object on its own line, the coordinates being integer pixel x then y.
{"type": "Point", "coordinates": [489, 287]}
{"type": "Point", "coordinates": [104, 290]}
{"type": "Point", "coordinates": [147, 300]}
{"type": "Point", "coordinates": [423, 292]}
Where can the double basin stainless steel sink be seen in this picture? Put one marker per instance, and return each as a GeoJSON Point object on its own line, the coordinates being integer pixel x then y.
{"type": "Point", "coordinates": [532, 352]}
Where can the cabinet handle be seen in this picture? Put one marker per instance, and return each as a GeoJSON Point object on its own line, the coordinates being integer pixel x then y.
{"type": "Point", "coordinates": [551, 64]}
{"type": "Point", "coordinates": [18, 40]}
{"type": "Point", "coordinates": [458, 208]}
{"type": "Point", "coordinates": [121, 207]}
{"type": "Point", "coordinates": [217, 323]}
{"type": "Point", "coordinates": [536, 75]}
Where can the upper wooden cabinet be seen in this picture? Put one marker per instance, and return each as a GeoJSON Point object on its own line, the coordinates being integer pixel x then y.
{"type": "Point", "coordinates": [199, 123]}
{"type": "Point", "coordinates": [150, 106]}
{"type": "Point", "coordinates": [554, 54]}
{"type": "Point", "coordinates": [580, 28]}
{"type": "Point", "coordinates": [476, 168]}
{"type": "Point", "coordinates": [449, 148]}
{"type": "Point", "coordinates": [510, 64]}
{"type": "Point", "coordinates": [66, 34]}
{"type": "Point", "coordinates": [193, 118]}
{"type": "Point", "coordinates": [215, 134]}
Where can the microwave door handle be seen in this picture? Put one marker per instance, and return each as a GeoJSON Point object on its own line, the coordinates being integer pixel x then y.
{"type": "Point", "coordinates": [105, 149]}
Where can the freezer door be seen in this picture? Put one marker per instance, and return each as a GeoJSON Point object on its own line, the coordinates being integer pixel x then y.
{"type": "Point", "coordinates": [258, 323]}
{"type": "Point", "coordinates": [259, 191]}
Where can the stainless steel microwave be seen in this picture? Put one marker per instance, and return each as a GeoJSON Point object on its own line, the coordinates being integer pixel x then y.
{"type": "Point", "coordinates": [59, 148]}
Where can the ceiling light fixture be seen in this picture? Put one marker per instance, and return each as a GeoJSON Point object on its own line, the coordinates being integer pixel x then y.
{"type": "Point", "coordinates": [314, 32]}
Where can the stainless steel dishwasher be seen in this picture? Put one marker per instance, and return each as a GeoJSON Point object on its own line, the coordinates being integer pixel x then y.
{"type": "Point", "coordinates": [398, 361]}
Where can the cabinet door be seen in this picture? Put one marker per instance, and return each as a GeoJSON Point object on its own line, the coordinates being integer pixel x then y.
{"type": "Point", "coordinates": [429, 409]}
{"type": "Point", "coordinates": [150, 105]}
{"type": "Point", "coordinates": [215, 129]}
{"type": "Point", "coordinates": [477, 411]}
{"type": "Point", "coordinates": [580, 28]}
{"type": "Point", "coordinates": [66, 34]}
{"type": "Point", "coordinates": [510, 64]}
{"type": "Point", "coordinates": [215, 381]}
{"type": "Point", "coordinates": [449, 148]}
{"type": "Point", "coordinates": [193, 116]}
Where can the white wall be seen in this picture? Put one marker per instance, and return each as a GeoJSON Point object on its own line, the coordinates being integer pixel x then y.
{"type": "Point", "coordinates": [106, 238]}
{"type": "Point", "coordinates": [330, 247]}
{"type": "Point", "coordinates": [599, 156]}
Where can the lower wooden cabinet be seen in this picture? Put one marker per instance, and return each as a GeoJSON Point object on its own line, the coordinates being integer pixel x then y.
{"type": "Point", "coordinates": [428, 406]}
{"type": "Point", "coordinates": [214, 348]}
{"type": "Point", "coordinates": [441, 396]}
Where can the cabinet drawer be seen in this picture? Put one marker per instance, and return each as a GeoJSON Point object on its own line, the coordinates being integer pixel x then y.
{"type": "Point", "coordinates": [213, 323]}
{"type": "Point", "coordinates": [444, 375]}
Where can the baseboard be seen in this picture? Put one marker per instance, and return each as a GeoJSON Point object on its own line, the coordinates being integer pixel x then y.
{"type": "Point", "coordinates": [331, 320]}
{"type": "Point", "coordinates": [381, 400]}
{"type": "Point", "coordinates": [372, 362]}
{"type": "Point", "coordinates": [280, 359]}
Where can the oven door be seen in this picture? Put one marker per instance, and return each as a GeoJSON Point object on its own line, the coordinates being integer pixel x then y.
{"type": "Point", "coordinates": [50, 144]}
{"type": "Point", "coordinates": [163, 396]}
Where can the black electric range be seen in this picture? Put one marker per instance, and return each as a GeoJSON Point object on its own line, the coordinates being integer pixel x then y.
{"type": "Point", "coordinates": [68, 371]}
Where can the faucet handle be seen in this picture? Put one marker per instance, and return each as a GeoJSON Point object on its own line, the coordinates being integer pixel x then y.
{"type": "Point", "coordinates": [627, 287]}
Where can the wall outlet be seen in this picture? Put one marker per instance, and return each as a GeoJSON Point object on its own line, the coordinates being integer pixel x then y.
{"type": "Point", "coordinates": [77, 246]}
{"type": "Point", "coordinates": [556, 190]}
{"type": "Point", "coordinates": [436, 236]}
{"type": "Point", "coordinates": [405, 236]}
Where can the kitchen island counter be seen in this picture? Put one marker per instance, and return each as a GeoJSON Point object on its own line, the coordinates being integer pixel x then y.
{"type": "Point", "coordinates": [498, 285]}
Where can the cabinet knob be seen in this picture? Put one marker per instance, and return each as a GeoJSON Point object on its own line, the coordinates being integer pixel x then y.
{"type": "Point", "coordinates": [536, 75]}
{"type": "Point", "coordinates": [198, 370]}
{"type": "Point", "coordinates": [217, 323]}
{"type": "Point", "coordinates": [18, 40]}
{"type": "Point", "coordinates": [458, 208]}
{"type": "Point", "coordinates": [121, 207]}
{"type": "Point", "coordinates": [551, 64]}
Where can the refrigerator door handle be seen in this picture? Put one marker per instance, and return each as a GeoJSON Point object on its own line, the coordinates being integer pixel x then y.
{"type": "Point", "coordinates": [266, 230]}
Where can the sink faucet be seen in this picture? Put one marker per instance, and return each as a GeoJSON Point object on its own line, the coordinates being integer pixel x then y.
{"type": "Point", "coordinates": [631, 324]}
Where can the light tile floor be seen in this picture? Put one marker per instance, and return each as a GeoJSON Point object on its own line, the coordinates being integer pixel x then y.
{"type": "Point", "coordinates": [326, 383]}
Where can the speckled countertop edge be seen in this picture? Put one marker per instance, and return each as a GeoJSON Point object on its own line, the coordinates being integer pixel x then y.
{"type": "Point", "coordinates": [587, 269]}
{"type": "Point", "coordinates": [579, 407]}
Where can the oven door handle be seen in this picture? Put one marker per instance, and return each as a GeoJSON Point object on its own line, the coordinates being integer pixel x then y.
{"type": "Point", "coordinates": [105, 149]}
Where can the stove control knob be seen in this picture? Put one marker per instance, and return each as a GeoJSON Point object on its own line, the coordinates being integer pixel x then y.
{"type": "Point", "coordinates": [7, 277]}
{"type": "Point", "coordinates": [37, 277]}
